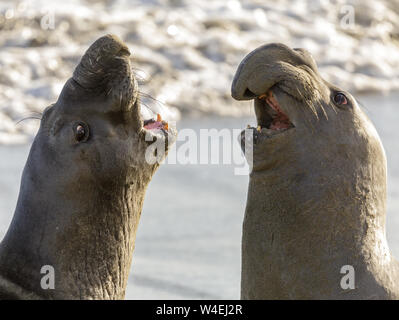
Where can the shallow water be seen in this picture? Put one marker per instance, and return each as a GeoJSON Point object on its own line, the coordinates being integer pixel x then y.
{"type": "Point", "coordinates": [188, 241]}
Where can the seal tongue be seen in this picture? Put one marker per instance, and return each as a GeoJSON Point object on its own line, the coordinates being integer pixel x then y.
{"type": "Point", "coordinates": [280, 119]}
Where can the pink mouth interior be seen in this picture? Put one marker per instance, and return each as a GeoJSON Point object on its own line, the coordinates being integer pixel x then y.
{"type": "Point", "coordinates": [280, 120]}
{"type": "Point", "coordinates": [158, 124]}
{"type": "Point", "coordinates": [154, 125]}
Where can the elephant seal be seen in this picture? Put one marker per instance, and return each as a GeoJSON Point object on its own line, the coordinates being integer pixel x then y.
{"type": "Point", "coordinates": [83, 185]}
{"type": "Point", "coordinates": [317, 191]}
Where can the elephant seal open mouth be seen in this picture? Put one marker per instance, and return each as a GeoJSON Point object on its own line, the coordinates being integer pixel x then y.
{"type": "Point", "coordinates": [317, 192]}
{"type": "Point", "coordinates": [83, 185]}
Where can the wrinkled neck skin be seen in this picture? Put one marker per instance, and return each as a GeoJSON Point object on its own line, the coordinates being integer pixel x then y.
{"type": "Point", "coordinates": [315, 205]}
{"type": "Point", "coordinates": [91, 251]}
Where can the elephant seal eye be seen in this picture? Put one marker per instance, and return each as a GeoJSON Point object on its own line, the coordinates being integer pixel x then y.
{"type": "Point", "coordinates": [340, 99]}
{"type": "Point", "coordinates": [81, 132]}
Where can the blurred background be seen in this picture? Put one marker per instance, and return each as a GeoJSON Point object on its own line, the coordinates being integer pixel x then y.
{"type": "Point", "coordinates": [185, 53]}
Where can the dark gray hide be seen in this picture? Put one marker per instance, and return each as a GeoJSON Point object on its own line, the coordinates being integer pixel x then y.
{"type": "Point", "coordinates": [317, 191]}
{"type": "Point", "coordinates": [83, 186]}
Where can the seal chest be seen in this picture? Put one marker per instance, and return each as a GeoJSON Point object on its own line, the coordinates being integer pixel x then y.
{"type": "Point", "coordinates": [317, 190]}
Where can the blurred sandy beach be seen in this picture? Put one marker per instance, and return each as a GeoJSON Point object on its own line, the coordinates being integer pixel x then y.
{"type": "Point", "coordinates": [185, 54]}
{"type": "Point", "coordinates": [186, 51]}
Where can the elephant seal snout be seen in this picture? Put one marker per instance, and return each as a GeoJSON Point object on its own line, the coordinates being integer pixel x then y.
{"type": "Point", "coordinates": [317, 190]}
{"type": "Point", "coordinates": [83, 185]}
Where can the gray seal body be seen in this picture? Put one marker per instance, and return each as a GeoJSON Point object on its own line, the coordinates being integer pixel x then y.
{"type": "Point", "coordinates": [83, 186]}
{"type": "Point", "coordinates": [317, 191]}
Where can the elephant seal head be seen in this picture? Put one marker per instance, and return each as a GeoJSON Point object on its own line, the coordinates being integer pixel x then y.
{"type": "Point", "coordinates": [298, 112]}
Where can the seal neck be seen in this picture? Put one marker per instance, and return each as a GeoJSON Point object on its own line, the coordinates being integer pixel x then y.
{"type": "Point", "coordinates": [88, 240]}
{"type": "Point", "coordinates": [301, 228]}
